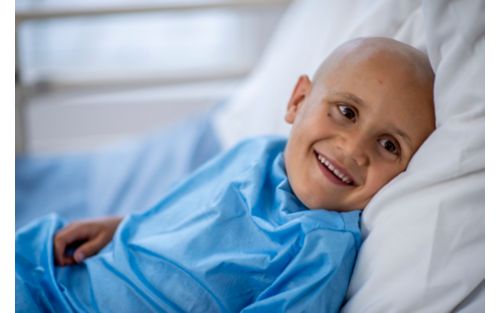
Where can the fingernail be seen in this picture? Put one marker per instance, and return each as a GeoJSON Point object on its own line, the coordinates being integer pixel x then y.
{"type": "Point", "coordinates": [78, 256]}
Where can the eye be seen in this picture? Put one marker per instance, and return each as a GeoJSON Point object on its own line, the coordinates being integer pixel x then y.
{"type": "Point", "coordinates": [390, 145]}
{"type": "Point", "coordinates": [348, 112]}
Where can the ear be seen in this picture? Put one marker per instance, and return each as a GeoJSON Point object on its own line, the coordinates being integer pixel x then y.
{"type": "Point", "coordinates": [301, 90]}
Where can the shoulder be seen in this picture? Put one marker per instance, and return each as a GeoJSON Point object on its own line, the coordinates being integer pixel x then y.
{"type": "Point", "coordinates": [262, 143]}
{"type": "Point", "coordinates": [245, 156]}
{"type": "Point", "coordinates": [257, 149]}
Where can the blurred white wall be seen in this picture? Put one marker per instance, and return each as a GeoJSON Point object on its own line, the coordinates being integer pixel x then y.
{"type": "Point", "coordinates": [90, 79]}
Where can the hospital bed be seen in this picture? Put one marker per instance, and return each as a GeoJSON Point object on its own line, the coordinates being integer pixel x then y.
{"type": "Point", "coordinates": [423, 248]}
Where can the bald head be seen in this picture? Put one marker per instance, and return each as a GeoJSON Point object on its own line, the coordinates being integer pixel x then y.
{"type": "Point", "coordinates": [406, 60]}
{"type": "Point", "coordinates": [399, 70]}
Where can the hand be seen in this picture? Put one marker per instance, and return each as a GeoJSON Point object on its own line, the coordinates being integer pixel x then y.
{"type": "Point", "coordinates": [86, 237]}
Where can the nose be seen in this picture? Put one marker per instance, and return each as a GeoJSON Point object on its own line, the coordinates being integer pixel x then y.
{"type": "Point", "coordinates": [354, 147]}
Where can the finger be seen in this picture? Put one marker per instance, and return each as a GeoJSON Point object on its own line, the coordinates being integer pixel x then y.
{"type": "Point", "coordinates": [68, 261]}
{"type": "Point", "coordinates": [76, 232]}
{"type": "Point", "coordinates": [89, 249]}
{"type": "Point", "coordinates": [61, 255]}
{"type": "Point", "coordinates": [66, 237]}
{"type": "Point", "coordinates": [59, 245]}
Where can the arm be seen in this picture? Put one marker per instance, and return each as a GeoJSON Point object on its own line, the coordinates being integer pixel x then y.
{"type": "Point", "coordinates": [88, 238]}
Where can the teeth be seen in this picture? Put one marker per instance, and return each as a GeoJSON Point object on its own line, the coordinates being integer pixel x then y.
{"type": "Point", "coordinates": [335, 171]}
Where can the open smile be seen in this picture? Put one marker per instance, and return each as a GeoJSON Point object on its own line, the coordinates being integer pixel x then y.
{"type": "Point", "coordinates": [334, 172]}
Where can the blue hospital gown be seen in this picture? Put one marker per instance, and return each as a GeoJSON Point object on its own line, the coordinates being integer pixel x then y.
{"type": "Point", "coordinates": [230, 238]}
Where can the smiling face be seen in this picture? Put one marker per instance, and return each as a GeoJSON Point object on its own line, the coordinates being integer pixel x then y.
{"type": "Point", "coordinates": [358, 124]}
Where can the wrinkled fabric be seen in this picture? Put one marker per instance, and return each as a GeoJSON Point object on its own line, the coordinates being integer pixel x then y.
{"type": "Point", "coordinates": [128, 177]}
{"type": "Point", "coordinates": [231, 238]}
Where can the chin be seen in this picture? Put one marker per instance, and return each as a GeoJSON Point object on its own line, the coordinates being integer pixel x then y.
{"type": "Point", "coordinates": [304, 196]}
{"type": "Point", "coordinates": [312, 202]}
{"type": "Point", "coordinates": [338, 207]}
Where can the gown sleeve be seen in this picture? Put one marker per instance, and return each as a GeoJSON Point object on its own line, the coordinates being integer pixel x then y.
{"type": "Point", "coordinates": [316, 279]}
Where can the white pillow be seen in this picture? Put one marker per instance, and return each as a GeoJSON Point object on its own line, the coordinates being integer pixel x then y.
{"type": "Point", "coordinates": [423, 247]}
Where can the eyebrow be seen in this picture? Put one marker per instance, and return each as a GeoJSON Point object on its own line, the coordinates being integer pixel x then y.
{"type": "Point", "coordinates": [404, 136]}
{"type": "Point", "coordinates": [351, 97]}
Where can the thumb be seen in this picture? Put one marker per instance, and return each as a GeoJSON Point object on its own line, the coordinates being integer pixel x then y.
{"type": "Point", "coordinates": [88, 249]}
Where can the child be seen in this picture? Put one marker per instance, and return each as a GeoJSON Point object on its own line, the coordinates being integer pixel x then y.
{"type": "Point", "coordinates": [270, 226]}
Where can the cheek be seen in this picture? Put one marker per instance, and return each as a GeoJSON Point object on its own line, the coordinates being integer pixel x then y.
{"type": "Point", "coordinates": [382, 175]}
{"type": "Point", "coordinates": [304, 132]}
{"type": "Point", "coordinates": [317, 123]}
